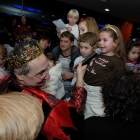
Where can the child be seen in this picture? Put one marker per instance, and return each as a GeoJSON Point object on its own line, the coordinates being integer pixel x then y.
{"type": "Point", "coordinates": [122, 101]}
{"type": "Point", "coordinates": [3, 56]}
{"type": "Point", "coordinates": [54, 85]}
{"type": "Point", "coordinates": [132, 49]}
{"type": "Point", "coordinates": [88, 24]}
{"type": "Point", "coordinates": [87, 44]}
{"type": "Point", "coordinates": [72, 17]}
{"type": "Point", "coordinates": [44, 42]}
{"type": "Point", "coordinates": [25, 35]}
{"type": "Point", "coordinates": [104, 65]}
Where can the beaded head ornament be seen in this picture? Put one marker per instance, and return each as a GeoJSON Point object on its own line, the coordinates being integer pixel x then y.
{"type": "Point", "coordinates": [109, 26]}
{"type": "Point", "coordinates": [23, 53]}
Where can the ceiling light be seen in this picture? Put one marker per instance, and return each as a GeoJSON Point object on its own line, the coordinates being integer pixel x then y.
{"type": "Point", "coordinates": [104, 0]}
{"type": "Point", "coordinates": [106, 9]}
{"type": "Point", "coordinates": [84, 14]}
{"type": "Point", "coordinates": [53, 15]}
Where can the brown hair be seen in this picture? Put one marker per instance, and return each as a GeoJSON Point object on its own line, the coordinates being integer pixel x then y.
{"type": "Point", "coordinates": [91, 38]}
{"type": "Point", "coordinates": [115, 33]}
{"type": "Point", "coordinates": [51, 56]}
{"type": "Point", "coordinates": [3, 50]}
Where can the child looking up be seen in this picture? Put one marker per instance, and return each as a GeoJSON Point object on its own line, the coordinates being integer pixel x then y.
{"type": "Point", "coordinates": [88, 24]}
{"type": "Point", "coordinates": [87, 44]}
{"type": "Point", "coordinates": [104, 65]}
{"type": "Point", "coordinates": [132, 49]}
{"type": "Point", "coordinates": [54, 85]}
{"type": "Point", "coordinates": [72, 17]}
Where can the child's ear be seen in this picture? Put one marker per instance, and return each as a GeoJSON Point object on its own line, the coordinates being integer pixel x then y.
{"type": "Point", "coordinates": [116, 43]}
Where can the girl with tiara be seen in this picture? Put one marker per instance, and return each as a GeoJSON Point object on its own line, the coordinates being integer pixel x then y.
{"type": "Point", "coordinates": [101, 67]}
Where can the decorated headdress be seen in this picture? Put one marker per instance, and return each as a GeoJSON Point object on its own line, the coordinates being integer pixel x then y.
{"type": "Point", "coordinates": [23, 53]}
{"type": "Point", "coordinates": [109, 26]}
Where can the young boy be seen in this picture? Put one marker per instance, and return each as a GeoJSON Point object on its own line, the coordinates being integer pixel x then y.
{"type": "Point", "coordinates": [72, 17]}
{"type": "Point", "coordinates": [44, 42]}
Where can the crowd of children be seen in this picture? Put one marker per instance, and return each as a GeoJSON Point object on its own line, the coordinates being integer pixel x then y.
{"type": "Point", "coordinates": [77, 42]}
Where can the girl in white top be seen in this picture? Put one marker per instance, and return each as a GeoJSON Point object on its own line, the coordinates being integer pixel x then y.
{"type": "Point", "coordinates": [3, 56]}
{"type": "Point", "coordinates": [72, 17]}
{"type": "Point", "coordinates": [54, 85]}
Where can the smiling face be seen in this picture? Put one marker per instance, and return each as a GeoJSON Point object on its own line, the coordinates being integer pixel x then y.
{"type": "Point", "coordinates": [82, 28]}
{"type": "Point", "coordinates": [38, 73]}
{"type": "Point", "coordinates": [85, 49]}
{"type": "Point", "coordinates": [134, 53]}
{"type": "Point", "coordinates": [43, 43]}
{"type": "Point", "coordinates": [106, 43]}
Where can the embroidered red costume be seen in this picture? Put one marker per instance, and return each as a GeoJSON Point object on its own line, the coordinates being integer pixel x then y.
{"type": "Point", "coordinates": [57, 112]}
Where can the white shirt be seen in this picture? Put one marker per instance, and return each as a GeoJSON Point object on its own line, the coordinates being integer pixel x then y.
{"type": "Point", "coordinates": [74, 31]}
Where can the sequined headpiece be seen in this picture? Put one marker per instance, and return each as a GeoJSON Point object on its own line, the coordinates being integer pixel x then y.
{"type": "Point", "coordinates": [109, 26]}
{"type": "Point", "coordinates": [29, 52]}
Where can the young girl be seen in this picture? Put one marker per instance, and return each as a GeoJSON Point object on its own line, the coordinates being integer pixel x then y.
{"type": "Point", "coordinates": [54, 85]}
{"type": "Point", "coordinates": [132, 49]}
{"type": "Point", "coordinates": [88, 24]}
{"type": "Point", "coordinates": [3, 56]}
{"type": "Point", "coordinates": [104, 65]}
{"type": "Point", "coordinates": [87, 44]}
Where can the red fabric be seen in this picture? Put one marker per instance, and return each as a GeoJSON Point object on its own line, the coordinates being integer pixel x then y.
{"type": "Point", "coordinates": [78, 98]}
{"type": "Point", "coordinates": [19, 29]}
{"type": "Point", "coordinates": [59, 117]}
{"type": "Point", "coordinates": [42, 96]}
{"type": "Point", "coordinates": [4, 78]}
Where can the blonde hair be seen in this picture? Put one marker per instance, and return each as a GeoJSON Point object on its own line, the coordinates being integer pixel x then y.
{"type": "Point", "coordinates": [91, 25]}
{"type": "Point", "coordinates": [74, 13]}
{"type": "Point", "coordinates": [3, 51]}
{"type": "Point", "coordinates": [115, 33]}
{"type": "Point", "coordinates": [21, 116]}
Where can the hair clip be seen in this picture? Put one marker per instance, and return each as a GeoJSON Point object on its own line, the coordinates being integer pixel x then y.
{"type": "Point", "coordinates": [82, 19]}
{"type": "Point", "coordinates": [109, 26]}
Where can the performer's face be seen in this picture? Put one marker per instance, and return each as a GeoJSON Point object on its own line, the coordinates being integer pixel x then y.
{"type": "Point", "coordinates": [38, 73]}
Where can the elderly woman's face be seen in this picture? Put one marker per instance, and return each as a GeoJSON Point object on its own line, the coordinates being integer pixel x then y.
{"type": "Point", "coordinates": [2, 61]}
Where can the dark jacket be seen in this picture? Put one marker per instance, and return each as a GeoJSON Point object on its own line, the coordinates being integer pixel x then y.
{"type": "Point", "coordinates": [74, 54]}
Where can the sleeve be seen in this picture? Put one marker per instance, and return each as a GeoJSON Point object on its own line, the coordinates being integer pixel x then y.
{"type": "Point", "coordinates": [78, 98]}
{"type": "Point", "coordinates": [52, 85]}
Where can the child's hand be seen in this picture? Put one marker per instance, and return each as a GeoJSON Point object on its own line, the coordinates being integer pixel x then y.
{"type": "Point", "coordinates": [58, 30]}
{"type": "Point", "coordinates": [69, 29]}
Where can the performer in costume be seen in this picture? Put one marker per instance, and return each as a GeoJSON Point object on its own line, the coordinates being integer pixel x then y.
{"type": "Point", "coordinates": [28, 73]}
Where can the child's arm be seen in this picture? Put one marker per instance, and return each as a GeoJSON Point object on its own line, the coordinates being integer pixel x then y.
{"type": "Point", "coordinates": [58, 32]}
{"type": "Point", "coordinates": [75, 31]}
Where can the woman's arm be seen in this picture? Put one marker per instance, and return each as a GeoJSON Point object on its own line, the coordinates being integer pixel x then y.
{"type": "Point", "coordinates": [78, 96]}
